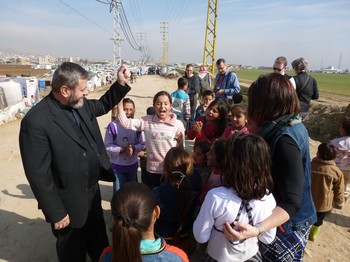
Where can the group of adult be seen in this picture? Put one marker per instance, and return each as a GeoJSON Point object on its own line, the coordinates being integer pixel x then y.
{"type": "Point", "coordinates": [64, 157]}
{"type": "Point", "coordinates": [304, 84]}
{"type": "Point", "coordinates": [225, 86]}
{"type": "Point", "coordinates": [226, 83]}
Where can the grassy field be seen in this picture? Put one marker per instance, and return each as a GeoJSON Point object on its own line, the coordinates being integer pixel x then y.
{"type": "Point", "coordinates": [331, 83]}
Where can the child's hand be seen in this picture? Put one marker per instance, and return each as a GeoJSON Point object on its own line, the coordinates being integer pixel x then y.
{"type": "Point", "coordinates": [130, 150]}
{"type": "Point", "coordinates": [141, 154]}
{"type": "Point", "coordinates": [179, 138]}
{"type": "Point", "coordinates": [198, 126]}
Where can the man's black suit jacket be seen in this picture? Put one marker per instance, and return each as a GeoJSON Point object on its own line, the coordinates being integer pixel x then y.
{"type": "Point", "coordinates": [54, 155]}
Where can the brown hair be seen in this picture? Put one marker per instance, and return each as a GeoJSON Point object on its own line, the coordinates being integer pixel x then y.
{"type": "Point", "coordinates": [161, 93]}
{"type": "Point", "coordinates": [270, 97]}
{"type": "Point", "coordinates": [132, 210]}
{"type": "Point", "coordinates": [179, 160]}
{"type": "Point", "coordinates": [176, 169]}
{"type": "Point", "coordinates": [281, 60]}
{"type": "Point", "coordinates": [187, 66]}
{"type": "Point", "coordinates": [248, 168]}
{"type": "Point", "coordinates": [128, 101]}
{"type": "Point", "coordinates": [242, 107]}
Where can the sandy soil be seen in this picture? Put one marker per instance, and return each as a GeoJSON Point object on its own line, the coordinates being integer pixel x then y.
{"type": "Point", "coordinates": [25, 236]}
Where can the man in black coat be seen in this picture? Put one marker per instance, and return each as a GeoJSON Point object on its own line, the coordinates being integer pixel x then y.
{"type": "Point", "coordinates": [64, 156]}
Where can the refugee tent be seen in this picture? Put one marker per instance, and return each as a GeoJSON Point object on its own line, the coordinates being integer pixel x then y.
{"type": "Point", "coordinates": [23, 85]}
{"type": "Point", "coordinates": [12, 92]}
{"type": "Point", "coordinates": [3, 102]}
{"type": "Point", "coordinates": [94, 83]}
{"type": "Point", "coordinates": [32, 88]}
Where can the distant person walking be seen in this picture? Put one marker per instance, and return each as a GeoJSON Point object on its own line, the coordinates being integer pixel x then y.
{"type": "Point", "coordinates": [226, 81]}
{"type": "Point", "coordinates": [306, 85]}
{"type": "Point", "coordinates": [64, 156]}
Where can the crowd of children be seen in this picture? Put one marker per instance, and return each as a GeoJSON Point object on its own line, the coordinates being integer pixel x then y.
{"type": "Point", "coordinates": [191, 197]}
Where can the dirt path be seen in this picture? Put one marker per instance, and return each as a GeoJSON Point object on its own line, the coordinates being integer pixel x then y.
{"type": "Point", "coordinates": [25, 236]}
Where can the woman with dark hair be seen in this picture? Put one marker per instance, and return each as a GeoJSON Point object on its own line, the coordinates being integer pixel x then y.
{"type": "Point", "coordinates": [273, 114]}
{"type": "Point", "coordinates": [306, 85]}
{"type": "Point", "coordinates": [134, 212]}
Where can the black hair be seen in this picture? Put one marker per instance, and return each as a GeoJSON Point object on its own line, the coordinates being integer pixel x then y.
{"type": "Point", "coordinates": [326, 151]}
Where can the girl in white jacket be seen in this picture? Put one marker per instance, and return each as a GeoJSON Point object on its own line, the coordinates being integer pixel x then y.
{"type": "Point", "coordinates": [245, 197]}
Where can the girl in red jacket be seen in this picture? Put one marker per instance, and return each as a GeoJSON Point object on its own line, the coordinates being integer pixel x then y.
{"type": "Point", "coordinates": [212, 125]}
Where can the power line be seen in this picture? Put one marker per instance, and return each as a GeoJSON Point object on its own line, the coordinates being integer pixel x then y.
{"type": "Point", "coordinates": [88, 19]}
{"type": "Point", "coordinates": [137, 14]}
{"type": "Point", "coordinates": [127, 30]}
{"type": "Point", "coordinates": [181, 14]}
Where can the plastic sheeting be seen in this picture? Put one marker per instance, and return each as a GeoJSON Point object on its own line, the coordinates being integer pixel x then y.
{"type": "Point", "coordinates": [12, 92]}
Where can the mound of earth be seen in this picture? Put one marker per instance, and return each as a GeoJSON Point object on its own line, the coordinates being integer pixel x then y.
{"type": "Point", "coordinates": [324, 120]}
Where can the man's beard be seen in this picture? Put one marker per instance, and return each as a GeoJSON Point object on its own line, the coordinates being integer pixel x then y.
{"type": "Point", "coordinates": [74, 102]}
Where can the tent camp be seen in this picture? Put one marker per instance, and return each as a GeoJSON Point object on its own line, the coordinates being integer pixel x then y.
{"type": "Point", "coordinates": [10, 93]}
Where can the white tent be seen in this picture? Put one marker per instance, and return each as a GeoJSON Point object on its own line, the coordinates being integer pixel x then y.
{"type": "Point", "coordinates": [12, 92]}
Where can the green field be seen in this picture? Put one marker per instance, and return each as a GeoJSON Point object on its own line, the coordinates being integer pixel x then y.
{"type": "Point", "coordinates": [331, 83]}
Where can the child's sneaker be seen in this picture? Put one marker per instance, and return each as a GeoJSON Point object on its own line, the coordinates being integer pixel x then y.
{"type": "Point", "coordinates": [313, 233]}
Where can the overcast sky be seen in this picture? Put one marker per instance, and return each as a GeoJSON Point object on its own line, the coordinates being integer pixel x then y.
{"type": "Point", "coordinates": [252, 32]}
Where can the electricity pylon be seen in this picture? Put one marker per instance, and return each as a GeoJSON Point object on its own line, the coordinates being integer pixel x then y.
{"type": "Point", "coordinates": [210, 34]}
{"type": "Point", "coordinates": [117, 59]}
{"type": "Point", "coordinates": [164, 32]}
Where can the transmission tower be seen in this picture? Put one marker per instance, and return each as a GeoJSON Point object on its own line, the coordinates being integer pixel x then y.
{"type": "Point", "coordinates": [141, 37]}
{"type": "Point", "coordinates": [117, 60]}
{"type": "Point", "coordinates": [164, 32]}
{"type": "Point", "coordinates": [210, 34]}
{"type": "Point", "coordinates": [340, 57]}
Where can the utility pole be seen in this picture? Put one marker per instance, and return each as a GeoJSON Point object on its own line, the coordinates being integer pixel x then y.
{"type": "Point", "coordinates": [117, 60]}
{"type": "Point", "coordinates": [141, 37]}
{"type": "Point", "coordinates": [210, 34]}
{"type": "Point", "coordinates": [164, 32]}
{"type": "Point", "coordinates": [340, 57]}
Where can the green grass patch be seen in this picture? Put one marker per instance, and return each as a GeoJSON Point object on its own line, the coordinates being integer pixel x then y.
{"type": "Point", "coordinates": [330, 83]}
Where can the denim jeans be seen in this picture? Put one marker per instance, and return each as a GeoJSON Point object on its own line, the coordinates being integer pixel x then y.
{"type": "Point", "coordinates": [122, 178]}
